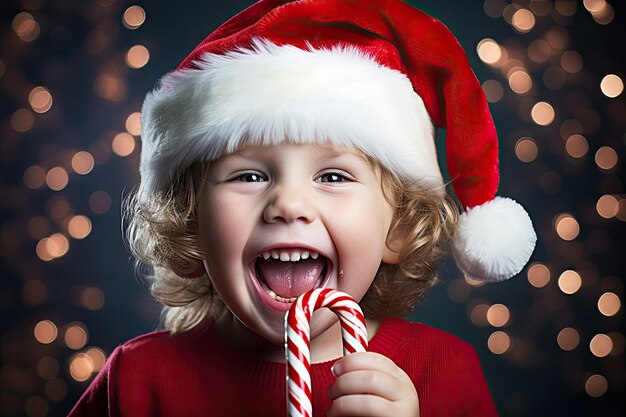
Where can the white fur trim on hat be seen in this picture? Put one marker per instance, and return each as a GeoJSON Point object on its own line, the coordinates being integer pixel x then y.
{"type": "Point", "coordinates": [494, 241]}
{"type": "Point", "coordinates": [270, 94]}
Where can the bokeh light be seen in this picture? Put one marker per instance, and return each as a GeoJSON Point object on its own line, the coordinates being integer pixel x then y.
{"type": "Point", "coordinates": [92, 298]}
{"type": "Point", "coordinates": [601, 345]}
{"type": "Point", "coordinates": [45, 332]}
{"type": "Point", "coordinates": [523, 20]}
{"type": "Point", "coordinates": [538, 275]}
{"type": "Point", "coordinates": [499, 342]}
{"type": "Point", "coordinates": [609, 304]}
{"type": "Point", "coordinates": [520, 82]}
{"type": "Point", "coordinates": [134, 17]}
{"type": "Point", "coordinates": [606, 158]}
{"type": "Point", "coordinates": [526, 149]}
{"type": "Point", "coordinates": [81, 366]}
{"type": "Point", "coordinates": [576, 146]}
{"type": "Point", "coordinates": [137, 56]}
{"type": "Point", "coordinates": [596, 385]}
{"type": "Point", "coordinates": [22, 120]}
{"type": "Point", "coordinates": [57, 178]}
{"type": "Point", "coordinates": [612, 86]}
{"type": "Point", "coordinates": [566, 226]}
{"type": "Point", "coordinates": [40, 99]}
{"type": "Point", "coordinates": [99, 202]}
{"type": "Point", "coordinates": [133, 124]}
{"type": "Point", "coordinates": [542, 113]}
{"type": "Point", "coordinates": [82, 162]}
{"type": "Point", "coordinates": [489, 51]}
{"type": "Point", "coordinates": [570, 282]}
{"type": "Point", "coordinates": [493, 91]}
{"type": "Point", "coordinates": [123, 144]}
{"type": "Point", "coordinates": [26, 27]}
{"type": "Point", "coordinates": [79, 227]}
{"type": "Point", "coordinates": [75, 336]}
{"type": "Point", "coordinates": [498, 315]}
{"type": "Point", "coordinates": [568, 339]}
{"type": "Point", "coordinates": [35, 177]}
{"type": "Point", "coordinates": [607, 206]}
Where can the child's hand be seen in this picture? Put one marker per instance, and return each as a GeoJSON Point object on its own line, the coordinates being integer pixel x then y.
{"type": "Point", "coordinates": [370, 384]}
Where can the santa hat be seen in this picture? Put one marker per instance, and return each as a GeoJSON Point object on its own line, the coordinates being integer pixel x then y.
{"type": "Point", "coordinates": [377, 75]}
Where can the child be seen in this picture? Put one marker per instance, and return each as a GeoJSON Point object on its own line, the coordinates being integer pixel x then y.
{"type": "Point", "coordinates": [293, 149]}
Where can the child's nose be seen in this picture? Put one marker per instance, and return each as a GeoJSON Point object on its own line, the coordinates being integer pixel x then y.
{"type": "Point", "coordinates": [289, 205]}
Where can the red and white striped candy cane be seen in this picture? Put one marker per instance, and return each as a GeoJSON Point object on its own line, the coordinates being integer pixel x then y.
{"type": "Point", "coordinates": [298, 341]}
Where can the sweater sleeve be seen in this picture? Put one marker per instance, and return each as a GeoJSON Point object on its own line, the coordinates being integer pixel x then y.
{"type": "Point", "coordinates": [100, 399]}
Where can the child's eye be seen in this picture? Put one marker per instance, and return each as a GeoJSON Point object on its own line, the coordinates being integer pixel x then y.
{"type": "Point", "coordinates": [249, 177]}
{"type": "Point", "coordinates": [333, 177]}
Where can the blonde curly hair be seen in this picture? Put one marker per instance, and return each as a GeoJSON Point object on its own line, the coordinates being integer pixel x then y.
{"type": "Point", "coordinates": [162, 235]}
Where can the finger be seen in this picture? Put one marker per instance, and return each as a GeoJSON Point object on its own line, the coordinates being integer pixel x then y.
{"type": "Point", "coordinates": [376, 383]}
{"type": "Point", "coordinates": [366, 361]}
{"type": "Point", "coordinates": [360, 405]}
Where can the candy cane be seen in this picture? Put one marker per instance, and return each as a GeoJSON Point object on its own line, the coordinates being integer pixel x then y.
{"type": "Point", "coordinates": [297, 341]}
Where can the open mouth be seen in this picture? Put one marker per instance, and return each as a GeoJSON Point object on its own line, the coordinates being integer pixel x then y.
{"type": "Point", "coordinates": [285, 274]}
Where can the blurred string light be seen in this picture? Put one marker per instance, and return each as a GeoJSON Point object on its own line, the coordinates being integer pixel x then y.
{"type": "Point", "coordinates": [53, 217]}
{"type": "Point", "coordinates": [541, 59]}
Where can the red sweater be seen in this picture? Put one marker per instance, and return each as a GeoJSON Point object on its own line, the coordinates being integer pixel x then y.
{"type": "Point", "coordinates": [196, 374]}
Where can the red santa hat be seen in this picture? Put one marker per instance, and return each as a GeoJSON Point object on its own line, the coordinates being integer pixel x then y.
{"type": "Point", "coordinates": [377, 75]}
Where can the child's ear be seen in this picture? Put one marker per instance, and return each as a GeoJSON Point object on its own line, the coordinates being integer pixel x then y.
{"type": "Point", "coordinates": [391, 253]}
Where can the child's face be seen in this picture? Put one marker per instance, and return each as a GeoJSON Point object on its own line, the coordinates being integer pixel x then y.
{"type": "Point", "coordinates": [286, 200]}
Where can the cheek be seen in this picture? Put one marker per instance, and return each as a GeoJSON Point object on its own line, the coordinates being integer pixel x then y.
{"type": "Point", "coordinates": [221, 227]}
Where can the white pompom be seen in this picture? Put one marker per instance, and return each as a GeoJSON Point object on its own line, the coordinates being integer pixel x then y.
{"type": "Point", "coordinates": [494, 241]}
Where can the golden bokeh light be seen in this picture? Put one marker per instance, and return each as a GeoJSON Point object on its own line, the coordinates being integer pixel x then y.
{"type": "Point", "coordinates": [612, 86]}
{"type": "Point", "coordinates": [570, 282]}
{"type": "Point", "coordinates": [566, 226]}
{"type": "Point", "coordinates": [81, 367]}
{"type": "Point", "coordinates": [493, 91]}
{"type": "Point", "coordinates": [489, 51]}
{"type": "Point", "coordinates": [22, 120]}
{"type": "Point", "coordinates": [498, 315]}
{"type": "Point", "coordinates": [568, 339]}
{"type": "Point", "coordinates": [99, 202]}
{"type": "Point", "coordinates": [478, 315]}
{"type": "Point", "coordinates": [566, 7]}
{"type": "Point", "coordinates": [134, 17]}
{"type": "Point", "coordinates": [75, 336]}
{"type": "Point", "coordinates": [137, 56]}
{"type": "Point", "coordinates": [40, 99]}
{"type": "Point", "coordinates": [523, 20]}
{"type": "Point", "coordinates": [26, 27]}
{"type": "Point", "coordinates": [458, 290]}
{"type": "Point", "coordinates": [606, 158]}
{"type": "Point", "coordinates": [604, 16]}
{"type": "Point", "coordinates": [92, 298]}
{"type": "Point", "coordinates": [539, 51]}
{"type": "Point", "coordinates": [42, 250]}
{"type": "Point", "coordinates": [557, 37]}
{"type": "Point", "coordinates": [596, 386]}
{"type": "Point", "coordinates": [542, 113]}
{"type": "Point", "coordinates": [594, 6]}
{"type": "Point", "coordinates": [34, 177]}
{"type": "Point", "coordinates": [97, 356]}
{"type": "Point", "coordinates": [123, 144]}
{"type": "Point", "coordinates": [576, 146]}
{"type": "Point", "coordinates": [526, 150]}
{"type": "Point", "coordinates": [499, 342]}
{"type": "Point", "coordinates": [520, 82]}
{"type": "Point", "coordinates": [110, 87]}
{"type": "Point", "coordinates": [45, 332]}
{"type": "Point", "coordinates": [57, 178]}
{"type": "Point", "coordinates": [57, 245]}
{"type": "Point", "coordinates": [540, 7]}
{"type": "Point", "coordinates": [607, 206]}
{"type": "Point", "coordinates": [609, 304]}
{"type": "Point", "coordinates": [79, 227]}
{"type": "Point", "coordinates": [601, 345]}
{"type": "Point", "coordinates": [133, 124]}
{"type": "Point", "coordinates": [82, 162]}
{"type": "Point", "coordinates": [572, 62]}
{"type": "Point", "coordinates": [538, 275]}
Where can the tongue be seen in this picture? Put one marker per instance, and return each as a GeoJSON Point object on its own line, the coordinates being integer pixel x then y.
{"type": "Point", "coordinates": [290, 279]}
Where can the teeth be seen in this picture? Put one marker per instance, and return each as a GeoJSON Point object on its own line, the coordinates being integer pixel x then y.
{"type": "Point", "coordinates": [279, 298]}
{"type": "Point", "coordinates": [289, 256]}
